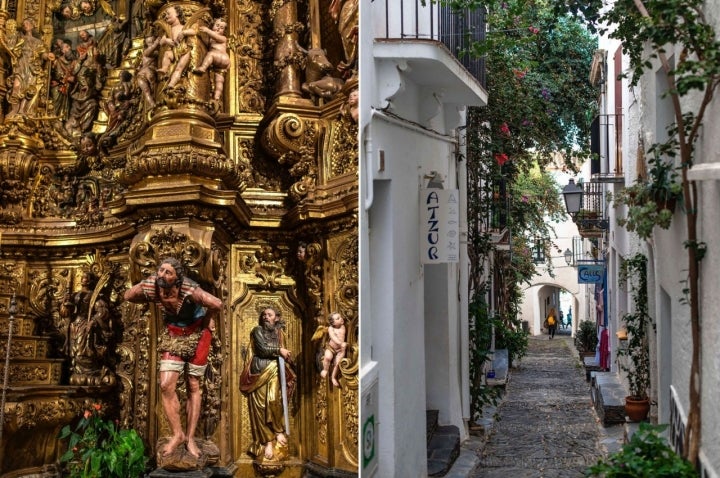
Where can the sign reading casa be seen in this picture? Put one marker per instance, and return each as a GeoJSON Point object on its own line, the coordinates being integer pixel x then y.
{"type": "Point", "coordinates": [439, 226]}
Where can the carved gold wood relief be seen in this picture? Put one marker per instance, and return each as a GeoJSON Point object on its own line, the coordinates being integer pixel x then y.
{"type": "Point", "coordinates": [117, 149]}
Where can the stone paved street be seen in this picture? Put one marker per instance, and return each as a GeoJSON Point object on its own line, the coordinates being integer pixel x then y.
{"type": "Point", "coordinates": [546, 425]}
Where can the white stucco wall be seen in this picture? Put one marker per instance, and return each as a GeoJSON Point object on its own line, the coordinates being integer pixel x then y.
{"type": "Point", "coordinates": [668, 264]}
{"type": "Point", "coordinates": [414, 308]}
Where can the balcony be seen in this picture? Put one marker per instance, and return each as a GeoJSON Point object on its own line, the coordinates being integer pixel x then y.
{"type": "Point", "coordinates": [606, 145]}
{"type": "Point", "coordinates": [431, 41]}
{"type": "Point", "coordinates": [591, 220]}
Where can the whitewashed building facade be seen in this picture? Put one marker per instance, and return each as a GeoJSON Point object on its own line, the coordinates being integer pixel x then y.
{"type": "Point", "coordinates": [644, 114]}
{"type": "Point", "coordinates": [414, 334]}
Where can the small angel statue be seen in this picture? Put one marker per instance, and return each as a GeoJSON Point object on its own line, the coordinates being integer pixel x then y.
{"type": "Point", "coordinates": [334, 345]}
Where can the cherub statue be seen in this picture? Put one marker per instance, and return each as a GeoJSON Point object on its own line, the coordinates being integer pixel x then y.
{"type": "Point", "coordinates": [350, 108]}
{"type": "Point", "coordinates": [146, 75]}
{"type": "Point", "coordinates": [334, 345]}
{"type": "Point", "coordinates": [177, 56]}
{"type": "Point", "coordinates": [217, 55]}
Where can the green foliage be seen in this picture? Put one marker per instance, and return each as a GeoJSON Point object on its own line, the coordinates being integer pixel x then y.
{"type": "Point", "coordinates": [480, 342]}
{"type": "Point", "coordinates": [510, 335]}
{"type": "Point", "coordinates": [540, 104]}
{"type": "Point", "coordinates": [650, 202]}
{"type": "Point", "coordinates": [586, 339]}
{"type": "Point", "coordinates": [633, 271]}
{"type": "Point", "coordinates": [540, 100]}
{"type": "Point", "coordinates": [97, 448]}
{"type": "Point", "coordinates": [540, 109]}
{"type": "Point", "coordinates": [646, 455]}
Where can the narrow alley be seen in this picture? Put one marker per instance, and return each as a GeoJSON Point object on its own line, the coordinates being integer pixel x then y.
{"type": "Point", "coordinates": [546, 426]}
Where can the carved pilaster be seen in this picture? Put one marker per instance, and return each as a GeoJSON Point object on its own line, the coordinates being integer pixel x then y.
{"type": "Point", "coordinates": [289, 57]}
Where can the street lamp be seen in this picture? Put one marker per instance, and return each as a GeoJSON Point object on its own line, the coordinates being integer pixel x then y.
{"type": "Point", "coordinates": [568, 256]}
{"type": "Point", "coordinates": [573, 197]}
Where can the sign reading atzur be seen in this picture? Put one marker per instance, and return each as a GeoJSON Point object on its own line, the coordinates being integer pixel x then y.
{"type": "Point", "coordinates": [439, 226]}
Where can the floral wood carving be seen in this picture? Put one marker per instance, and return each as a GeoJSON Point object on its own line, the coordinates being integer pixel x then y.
{"type": "Point", "coordinates": [248, 47]}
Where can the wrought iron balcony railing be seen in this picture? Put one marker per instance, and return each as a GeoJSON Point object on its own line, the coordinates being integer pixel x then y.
{"type": "Point", "coordinates": [457, 30]}
{"type": "Point", "coordinates": [591, 220]}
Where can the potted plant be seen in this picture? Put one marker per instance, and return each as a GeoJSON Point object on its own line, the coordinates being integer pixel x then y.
{"type": "Point", "coordinates": [633, 271]}
{"type": "Point", "coordinates": [651, 202]}
{"type": "Point", "coordinates": [646, 454]}
{"type": "Point", "coordinates": [586, 338]}
{"type": "Point", "coordinates": [99, 448]}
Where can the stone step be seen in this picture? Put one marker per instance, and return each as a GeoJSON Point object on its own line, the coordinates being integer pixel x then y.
{"type": "Point", "coordinates": [590, 366]}
{"type": "Point", "coordinates": [443, 450]}
{"type": "Point", "coordinates": [608, 397]}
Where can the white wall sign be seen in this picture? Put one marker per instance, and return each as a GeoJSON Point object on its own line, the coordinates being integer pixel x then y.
{"type": "Point", "coordinates": [439, 226]}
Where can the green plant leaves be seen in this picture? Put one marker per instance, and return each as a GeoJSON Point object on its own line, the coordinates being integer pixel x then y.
{"type": "Point", "coordinates": [97, 448]}
{"type": "Point", "coordinates": [646, 455]}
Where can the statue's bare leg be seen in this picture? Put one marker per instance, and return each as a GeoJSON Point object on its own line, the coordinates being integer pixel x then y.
{"type": "Point", "coordinates": [171, 405]}
{"type": "Point", "coordinates": [219, 85]}
{"type": "Point", "coordinates": [336, 368]}
{"type": "Point", "coordinates": [193, 414]}
{"type": "Point", "coordinates": [327, 359]}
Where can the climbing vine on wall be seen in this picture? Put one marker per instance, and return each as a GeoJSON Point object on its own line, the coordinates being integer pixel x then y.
{"type": "Point", "coordinates": [540, 109]}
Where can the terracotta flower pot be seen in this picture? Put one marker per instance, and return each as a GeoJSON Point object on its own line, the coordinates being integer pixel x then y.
{"type": "Point", "coordinates": [636, 409]}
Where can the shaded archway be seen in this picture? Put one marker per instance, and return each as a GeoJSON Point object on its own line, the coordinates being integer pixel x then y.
{"type": "Point", "coordinates": [542, 295]}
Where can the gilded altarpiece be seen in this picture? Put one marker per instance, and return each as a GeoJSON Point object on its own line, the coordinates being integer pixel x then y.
{"type": "Point", "coordinates": [220, 133]}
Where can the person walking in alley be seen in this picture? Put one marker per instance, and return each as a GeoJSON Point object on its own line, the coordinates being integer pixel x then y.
{"type": "Point", "coordinates": [551, 322]}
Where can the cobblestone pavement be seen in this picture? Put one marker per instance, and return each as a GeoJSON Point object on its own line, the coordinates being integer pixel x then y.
{"type": "Point", "coordinates": [546, 425]}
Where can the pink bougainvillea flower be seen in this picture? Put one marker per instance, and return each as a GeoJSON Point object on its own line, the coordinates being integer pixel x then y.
{"type": "Point", "coordinates": [97, 406]}
{"type": "Point", "coordinates": [534, 30]}
{"type": "Point", "coordinates": [501, 158]}
{"type": "Point", "coordinates": [525, 198]}
{"type": "Point", "coordinates": [545, 93]}
{"type": "Point", "coordinates": [87, 414]}
{"type": "Point", "coordinates": [505, 129]}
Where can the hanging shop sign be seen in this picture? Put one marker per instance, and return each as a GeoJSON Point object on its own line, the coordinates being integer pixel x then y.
{"type": "Point", "coordinates": [439, 226]}
{"type": "Point", "coordinates": [591, 273]}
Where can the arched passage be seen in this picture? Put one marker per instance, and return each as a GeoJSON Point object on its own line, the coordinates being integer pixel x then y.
{"type": "Point", "coordinates": [545, 293]}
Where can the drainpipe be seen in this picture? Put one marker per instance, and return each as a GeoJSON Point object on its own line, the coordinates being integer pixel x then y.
{"type": "Point", "coordinates": [368, 193]}
{"type": "Point", "coordinates": [463, 281]}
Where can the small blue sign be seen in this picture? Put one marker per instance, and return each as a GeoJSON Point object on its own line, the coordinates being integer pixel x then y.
{"type": "Point", "coordinates": [590, 273]}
